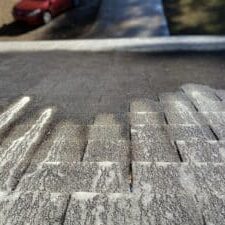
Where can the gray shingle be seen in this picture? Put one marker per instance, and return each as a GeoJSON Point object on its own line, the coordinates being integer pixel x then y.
{"type": "Point", "coordinates": [209, 178]}
{"type": "Point", "coordinates": [210, 106]}
{"type": "Point", "coordinates": [160, 178]}
{"type": "Point", "coordinates": [219, 130]}
{"type": "Point", "coordinates": [173, 132]}
{"type": "Point", "coordinates": [221, 94]}
{"type": "Point", "coordinates": [181, 106]}
{"type": "Point", "coordinates": [96, 209]}
{"type": "Point", "coordinates": [114, 150]}
{"type": "Point", "coordinates": [66, 143]}
{"type": "Point", "coordinates": [145, 105]}
{"type": "Point", "coordinates": [189, 132]}
{"type": "Point", "coordinates": [172, 178]}
{"type": "Point", "coordinates": [185, 118]}
{"type": "Point", "coordinates": [12, 113]}
{"type": "Point", "coordinates": [148, 151]}
{"type": "Point", "coordinates": [115, 209]}
{"type": "Point", "coordinates": [192, 90]}
{"type": "Point", "coordinates": [107, 132]}
{"type": "Point", "coordinates": [201, 151]}
{"type": "Point", "coordinates": [147, 118]}
{"type": "Point", "coordinates": [167, 209]}
{"type": "Point", "coordinates": [214, 118]}
{"type": "Point", "coordinates": [71, 177]}
{"type": "Point", "coordinates": [173, 96]}
{"type": "Point", "coordinates": [32, 208]}
{"type": "Point", "coordinates": [213, 209]}
{"type": "Point", "coordinates": [16, 156]}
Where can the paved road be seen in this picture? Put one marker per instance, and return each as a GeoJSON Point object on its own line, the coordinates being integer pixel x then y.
{"type": "Point", "coordinates": [130, 18]}
{"type": "Point", "coordinates": [100, 138]}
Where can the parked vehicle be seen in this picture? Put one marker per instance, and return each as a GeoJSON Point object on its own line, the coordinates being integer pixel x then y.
{"type": "Point", "coordinates": [35, 12]}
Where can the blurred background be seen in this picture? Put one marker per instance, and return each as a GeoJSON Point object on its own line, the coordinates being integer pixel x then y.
{"type": "Point", "coordinates": [72, 19]}
{"type": "Point", "coordinates": [195, 16]}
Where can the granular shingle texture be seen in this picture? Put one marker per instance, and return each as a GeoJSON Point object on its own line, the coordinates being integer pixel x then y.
{"type": "Point", "coordinates": [155, 162]}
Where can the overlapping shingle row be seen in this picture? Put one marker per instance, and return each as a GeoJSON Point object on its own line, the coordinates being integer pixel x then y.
{"type": "Point", "coordinates": [164, 166]}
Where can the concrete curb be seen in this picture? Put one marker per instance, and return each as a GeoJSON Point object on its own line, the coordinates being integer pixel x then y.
{"type": "Point", "coordinates": [158, 44]}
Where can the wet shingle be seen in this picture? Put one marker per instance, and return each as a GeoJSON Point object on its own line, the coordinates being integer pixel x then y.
{"type": "Point", "coordinates": [213, 209]}
{"type": "Point", "coordinates": [114, 150]}
{"type": "Point", "coordinates": [71, 177]}
{"type": "Point", "coordinates": [157, 151]}
{"type": "Point", "coordinates": [202, 151]}
{"type": "Point", "coordinates": [33, 208]}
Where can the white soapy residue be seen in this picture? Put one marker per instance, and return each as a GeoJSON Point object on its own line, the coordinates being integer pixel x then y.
{"type": "Point", "coordinates": [9, 116]}
{"type": "Point", "coordinates": [200, 98]}
{"type": "Point", "coordinates": [187, 180]}
{"type": "Point", "coordinates": [84, 195]}
{"type": "Point", "coordinates": [105, 164]}
{"type": "Point", "coordinates": [184, 109]}
{"type": "Point", "coordinates": [16, 154]}
{"type": "Point", "coordinates": [222, 152]}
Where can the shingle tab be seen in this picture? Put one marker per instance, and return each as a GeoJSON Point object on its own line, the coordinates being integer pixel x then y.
{"type": "Point", "coordinates": [201, 151]}
{"type": "Point", "coordinates": [147, 118]}
{"type": "Point", "coordinates": [213, 209]}
{"type": "Point", "coordinates": [66, 143]}
{"type": "Point", "coordinates": [114, 150]}
{"type": "Point", "coordinates": [209, 178]}
{"type": "Point", "coordinates": [71, 177]}
{"type": "Point", "coordinates": [114, 209]}
{"type": "Point", "coordinates": [148, 151]}
{"type": "Point", "coordinates": [173, 96]}
{"type": "Point", "coordinates": [33, 208]}
{"type": "Point", "coordinates": [96, 209]}
{"type": "Point", "coordinates": [145, 105]}
{"type": "Point", "coordinates": [185, 118]}
{"type": "Point", "coordinates": [214, 118]}
{"type": "Point", "coordinates": [219, 130]}
{"type": "Point", "coordinates": [169, 209]}
{"type": "Point", "coordinates": [10, 115]}
{"type": "Point", "coordinates": [160, 178]}
{"type": "Point", "coordinates": [172, 178]}
{"type": "Point", "coordinates": [151, 133]}
{"type": "Point", "coordinates": [210, 106]}
{"type": "Point", "coordinates": [171, 132]}
{"type": "Point", "coordinates": [221, 94]}
{"type": "Point", "coordinates": [189, 132]}
{"type": "Point", "coordinates": [107, 132]}
{"type": "Point", "coordinates": [16, 157]}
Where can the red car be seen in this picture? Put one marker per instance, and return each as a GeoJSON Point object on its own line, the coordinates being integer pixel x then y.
{"type": "Point", "coordinates": [36, 12]}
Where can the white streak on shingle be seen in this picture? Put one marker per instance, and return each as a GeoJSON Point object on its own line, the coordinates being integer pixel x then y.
{"type": "Point", "coordinates": [10, 115]}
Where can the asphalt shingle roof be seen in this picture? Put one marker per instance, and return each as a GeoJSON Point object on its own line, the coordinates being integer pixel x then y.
{"type": "Point", "coordinates": [164, 166]}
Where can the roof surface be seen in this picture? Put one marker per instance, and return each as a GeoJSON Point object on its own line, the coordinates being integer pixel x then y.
{"type": "Point", "coordinates": [112, 138]}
